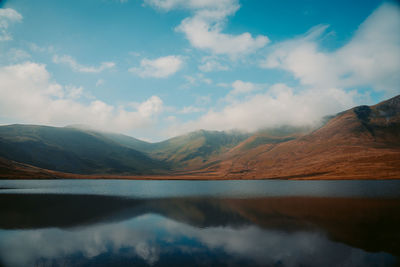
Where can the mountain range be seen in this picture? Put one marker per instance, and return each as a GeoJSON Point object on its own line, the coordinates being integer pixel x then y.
{"type": "Point", "coordinates": [360, 143]}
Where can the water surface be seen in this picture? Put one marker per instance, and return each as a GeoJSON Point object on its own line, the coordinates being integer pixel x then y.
{"type": "Point", "coordinates": [204, 223]}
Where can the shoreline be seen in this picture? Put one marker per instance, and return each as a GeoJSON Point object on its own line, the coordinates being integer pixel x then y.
{"type": "Point", "coordinates": [192, 178]}
{"type": "Point", "coordinates": [11, 170]}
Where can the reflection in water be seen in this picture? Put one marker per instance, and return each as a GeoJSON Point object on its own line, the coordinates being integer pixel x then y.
{"type": "Point", "coordinates": [280, 231]}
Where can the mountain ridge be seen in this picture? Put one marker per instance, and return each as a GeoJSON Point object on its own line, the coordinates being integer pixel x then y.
{"type": "Point", "coordinates": [360, 143]}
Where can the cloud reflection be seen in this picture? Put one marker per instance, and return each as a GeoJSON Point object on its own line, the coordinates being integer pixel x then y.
{"type": "Point", "coordinates": [23, 248]}
{"type": "Point", "coordinates": [147, 239]}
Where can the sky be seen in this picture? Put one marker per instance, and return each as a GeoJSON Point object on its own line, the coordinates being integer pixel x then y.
{"type": "Point", "coordinates": [154, 69]}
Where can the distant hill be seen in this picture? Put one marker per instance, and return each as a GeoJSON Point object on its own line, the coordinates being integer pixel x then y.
{"type": "Point", "coordinates": [194, 149]}
{"type": "Point", "coordinates": [74, 150]}
{"type": "Point", "coordinates": [185, 151]}
{"type": "Point", "coordinates": [360, 143]}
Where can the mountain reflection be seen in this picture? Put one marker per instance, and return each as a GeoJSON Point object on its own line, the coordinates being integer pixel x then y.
{"type": "Point", "coordinates": [105, 230]}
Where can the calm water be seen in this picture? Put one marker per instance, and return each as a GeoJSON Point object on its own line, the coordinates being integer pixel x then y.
{"type": "Point", "coordinates": [203, 223]}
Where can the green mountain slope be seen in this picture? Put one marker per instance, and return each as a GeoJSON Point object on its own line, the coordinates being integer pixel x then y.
{"type": "Point", "coordinates": [273, 136]}
{"type": "Point", "coordinates": [194, 149]}
{"type": "Point", "coordinates": [185, 151]}
{"type": "Point", "coordinates": [124, 140]}
{"type": "Point", "coordinates": [74, 150]}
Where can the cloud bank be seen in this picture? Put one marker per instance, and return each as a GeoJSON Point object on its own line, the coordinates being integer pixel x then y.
{"type": "Point", "coordinates": [371, 58]}
{"type": "Point", "coordinates": [279, 105]}
{"type": "Point", "coordinates": [28, 95]}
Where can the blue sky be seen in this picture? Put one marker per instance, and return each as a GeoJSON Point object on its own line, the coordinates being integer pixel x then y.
{"type": "Point", "coordinates": [157, 68]}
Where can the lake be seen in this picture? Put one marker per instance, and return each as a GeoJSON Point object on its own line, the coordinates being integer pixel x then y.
{"type": "Point", "coordinates": [199, 223]}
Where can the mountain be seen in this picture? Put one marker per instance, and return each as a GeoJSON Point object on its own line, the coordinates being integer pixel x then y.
{"type": "Point", "coordinates": [360, 143]}
{"type": "Point", "coordinates": [192, 150]}
{"type": "Point", "coordinates": [363, 142]}
{"type": "Point", "coordinates": [187, 151]}
{"type": "Point", "coordinates": [272, 136]}
{"type": "Point", "coordinates": [79, 150]}
{"type": "Point", "coordinates": [126, 141]}
{"type": "Point", "coordinates": [74, 150]}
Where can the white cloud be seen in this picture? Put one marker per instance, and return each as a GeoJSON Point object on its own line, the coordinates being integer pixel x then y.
{"type": "Point", "coordinates": [159, 68]}
{"type": "Point", "coordinates": [27, 95]}
{"type": "Point", "coordinates": [196, 80]}
{"type": "Point", "coordinates": [71, 62]}
{"type": "Point", "coordinates": [73, 92]}
{"type": "Point", "coordinates": [150, 107]}
{"type": "Point", "coordinates": [16, 55]}
{"type": "Point", "coordinates": [7, 15]}
{"type": "Point", "coordinates": [208, 36]}
{"type": "Point", "coordinates": [240, 87]}
{"type": "Point", "coordinates": [190, 109]}
{"type": "Point", "coordinates": [278, 106]}
{"type": "Point", "coordinates": [211, 64]}
{"type": "Point", "coordinates": [371, 58]}
{"type": "Point", "coordinates": [204, 28]}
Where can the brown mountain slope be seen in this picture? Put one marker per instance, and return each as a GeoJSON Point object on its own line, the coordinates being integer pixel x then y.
{"type": "Point", "coordinates": [10, 169]}
{"type": "Point", "coordinates": [361, 143]}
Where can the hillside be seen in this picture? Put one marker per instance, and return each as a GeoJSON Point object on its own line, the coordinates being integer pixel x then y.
{"type": "Point", "coordinates": [73, 150]}
{"type": "Point", "coordinates": [194, 149]}
{"type": "Point", "coordinates": [272, 136]}
{"type": "Point", "coordinates": [188, 151]}
{"type": "Point", "coordinates": [363, 142]}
